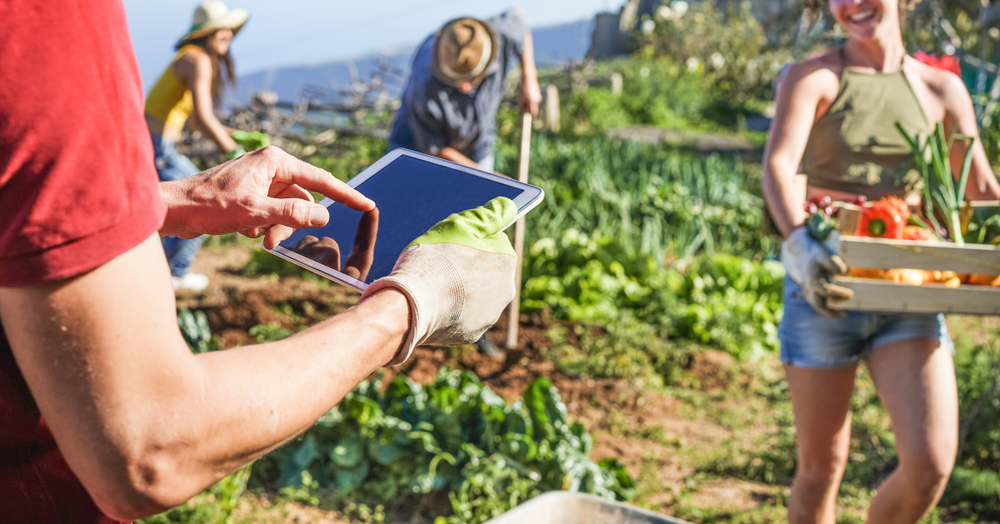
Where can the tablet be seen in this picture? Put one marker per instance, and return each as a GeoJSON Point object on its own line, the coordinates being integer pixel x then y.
{"type": "Point", "coordinates": [412, 192]}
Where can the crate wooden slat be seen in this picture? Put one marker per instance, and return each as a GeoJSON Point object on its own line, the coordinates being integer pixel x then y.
{"type": "Point", "coordinates": [881, 296]}
{"type": "Point", "coordinates": [934, 256]}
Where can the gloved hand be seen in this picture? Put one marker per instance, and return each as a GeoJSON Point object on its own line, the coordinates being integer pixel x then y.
{"type": "Point", "coordinates": [810, 265]}
{"type": "Point", "coordinates": [233, 154]}
{"type": "Point", "coordinates": [458, 277]}
{"type": "Point", "coordinates": [250, 140]}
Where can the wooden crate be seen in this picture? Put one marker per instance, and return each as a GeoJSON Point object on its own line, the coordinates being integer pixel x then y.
{"type": "Point", "coordinates": [888, 297]}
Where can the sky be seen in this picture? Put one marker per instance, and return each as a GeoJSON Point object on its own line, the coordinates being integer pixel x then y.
{"type": "Point", "coordinates": [298, 32]}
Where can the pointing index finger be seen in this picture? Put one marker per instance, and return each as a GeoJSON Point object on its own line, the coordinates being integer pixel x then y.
{"type": "Point", "coordinates": [307, 176]}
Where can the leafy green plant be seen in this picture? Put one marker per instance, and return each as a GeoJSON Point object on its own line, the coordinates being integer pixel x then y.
{"type": "Point", "coordinates": [454, 436]}
{"type": "Point", "coordinates": [975, 494]}
{"type": "Point", "coordinates": [655, 201]}
{"type": "Point", "coordinates": [658, 93]}
{"type": "Point", "coordinates": [727, 301]}
{"type": "Point", "coordinates": [622, 348]}
{"type": "Point", "coordinates": [977, 370]}
{"type": "Point", "coordinates": [265, 333]}
{"type": "Point", "coordinates": [722, 40]}
{"type": "Point", "coordinates": [215, 505]}
{"type": "Point", "coordinates": [195, 330]}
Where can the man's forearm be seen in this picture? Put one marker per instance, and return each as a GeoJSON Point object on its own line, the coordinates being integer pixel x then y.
{"type": "Point", "coordinates": [454, 155]}
{"type": "Point", "coordinates": [527, 59]}
{"type": "Point", "coordinates": [275, 391]}
{"type": "Point", "coordinates": [172, 194]}
{"type": "Point", "coordinates": [144, 423]}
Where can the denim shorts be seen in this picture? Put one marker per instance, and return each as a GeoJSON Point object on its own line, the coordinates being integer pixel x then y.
{"type": "Point", "coordinates": [810, 339]}
{"type": "Point", "coordinates": [171, 166]}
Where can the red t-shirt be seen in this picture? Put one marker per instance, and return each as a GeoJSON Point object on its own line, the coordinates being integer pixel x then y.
{"type": "Point", "coordinates": [77, 188]}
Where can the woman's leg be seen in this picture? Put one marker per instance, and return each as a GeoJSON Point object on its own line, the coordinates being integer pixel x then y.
{"type": "Point", "coordinates": [915, 379]}
{"type": "Point", "coordinates": [821, 399]}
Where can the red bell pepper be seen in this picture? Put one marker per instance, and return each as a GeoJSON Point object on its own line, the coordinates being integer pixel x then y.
{"type": "Point", "coordinates": [886, 218]}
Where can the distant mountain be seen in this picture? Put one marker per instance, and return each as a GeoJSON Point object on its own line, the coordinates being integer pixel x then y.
{"type": "Point", "coordinates": [553, 45]}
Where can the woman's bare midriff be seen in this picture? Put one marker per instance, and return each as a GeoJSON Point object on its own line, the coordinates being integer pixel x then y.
{"type": "Point", "coordinates": [158, 128]}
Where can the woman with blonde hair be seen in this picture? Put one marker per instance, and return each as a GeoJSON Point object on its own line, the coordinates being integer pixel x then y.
{"type": "Point", "coordinates": [836, 116]}
{"type": "Point", "coordinates": [187, 92]}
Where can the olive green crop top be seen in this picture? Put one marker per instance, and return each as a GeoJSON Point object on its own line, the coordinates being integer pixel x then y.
{"type": "Point", "coordinates": [855, 146]}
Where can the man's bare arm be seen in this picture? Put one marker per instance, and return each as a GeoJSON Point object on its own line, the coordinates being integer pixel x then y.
{"type": "Point", "coordinates": [450, 153]}
{"type": "Point", "coordinates": [530, 95]}
{"type": "Point", "coordinates": [144, 423]}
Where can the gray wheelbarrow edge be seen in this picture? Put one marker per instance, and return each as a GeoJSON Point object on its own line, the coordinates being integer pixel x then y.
{"type": "Point", "coordinates": [564, 507]}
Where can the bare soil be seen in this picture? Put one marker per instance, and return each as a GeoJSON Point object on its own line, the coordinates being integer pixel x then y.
{"type": "Point", "coordinates": [652, 434]}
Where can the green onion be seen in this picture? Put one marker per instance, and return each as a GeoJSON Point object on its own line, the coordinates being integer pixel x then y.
{"type": "Point", "coordinates": [941, 195]}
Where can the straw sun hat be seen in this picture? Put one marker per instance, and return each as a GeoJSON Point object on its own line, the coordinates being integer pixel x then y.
{"type": "Point", "coordinates": [463, 51]}
{"type": "Point", "coordinates": [213, 15]}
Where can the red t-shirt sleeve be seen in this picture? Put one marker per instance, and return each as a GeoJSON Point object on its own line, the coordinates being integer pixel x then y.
{"type": "Point", "coordinates": [77, 182]}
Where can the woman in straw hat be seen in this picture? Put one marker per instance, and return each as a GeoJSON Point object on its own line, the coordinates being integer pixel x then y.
{"type": "Point", "coordinates": [187, 92]}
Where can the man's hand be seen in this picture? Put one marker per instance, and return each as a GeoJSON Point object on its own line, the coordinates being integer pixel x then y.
{"type": "Point", "coordinates": [810, 265]}
{"type": "Point", "coordinates": [530, 96]}
{"type": "Point", "coordinates": [265, 192]}
{"type": "Point", "coordinates": [458, 277]}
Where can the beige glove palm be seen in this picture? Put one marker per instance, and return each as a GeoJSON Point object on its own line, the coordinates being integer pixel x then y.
{"type": "Point", "coordinates": [810, 265]}
{"type": "Point", "coordinates": [458, 277]}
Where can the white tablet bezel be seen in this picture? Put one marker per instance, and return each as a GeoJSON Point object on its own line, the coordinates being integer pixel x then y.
{"type": "Point", "coordinates": [530, 197]}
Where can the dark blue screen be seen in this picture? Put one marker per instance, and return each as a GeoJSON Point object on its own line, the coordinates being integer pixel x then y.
{"type": "Point", "coordinates": [411, 195]}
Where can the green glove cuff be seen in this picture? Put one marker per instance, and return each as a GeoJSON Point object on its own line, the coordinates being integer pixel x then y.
{"type": "Point", "coordinates": [477, 228]}
{"type": "Point", "coordinates": [236, 153]}
{"type": "Point", "coordinates": [250, 140]}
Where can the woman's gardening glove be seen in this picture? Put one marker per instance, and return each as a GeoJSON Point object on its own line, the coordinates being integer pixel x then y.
{"type": "Point", "coordinates": [250, 140]}
{"type": "Point", "coordinates": [810, 265]}
{"type": "Point", "coordinates": [236, 152]}
{"type": "Point", "coordinates": [458, 277]}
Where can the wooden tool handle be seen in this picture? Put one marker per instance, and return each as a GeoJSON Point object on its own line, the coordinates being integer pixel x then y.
{"type": "Point", "coordinates": [514, 311]}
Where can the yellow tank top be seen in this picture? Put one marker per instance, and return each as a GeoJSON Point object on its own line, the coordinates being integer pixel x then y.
{"type": "Point", "coordinates": [170, 100]}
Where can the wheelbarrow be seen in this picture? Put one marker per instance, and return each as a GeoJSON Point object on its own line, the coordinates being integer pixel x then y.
{"type": "Point", "coordinates": [565, 507]}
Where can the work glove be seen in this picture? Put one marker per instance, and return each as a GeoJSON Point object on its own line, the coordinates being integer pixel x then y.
{"type": "Point", "coordinates": [233, 154]}
{"type": "Point", "coordinates": [811, 264]}
{"type": "Point", "coordinates": [458, 277]}
{"type": "Point", "coordinates": [250, 140]}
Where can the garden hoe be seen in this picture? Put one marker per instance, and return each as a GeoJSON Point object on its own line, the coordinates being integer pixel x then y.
{"type": "Point", "coordinates": [514, 310]}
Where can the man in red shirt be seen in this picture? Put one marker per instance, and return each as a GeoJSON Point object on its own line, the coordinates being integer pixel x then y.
{"type": "Point", "coordinates": [104, 412]}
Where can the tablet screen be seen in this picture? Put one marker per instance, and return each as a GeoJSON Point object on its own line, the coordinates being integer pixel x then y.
{"type": "Point", "coordinates": [411, 196]}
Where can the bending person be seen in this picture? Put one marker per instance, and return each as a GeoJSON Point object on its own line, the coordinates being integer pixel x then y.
{"type": "Point", "coordinates": [187, 92]}
{"type": "Point", "coordinates": [456, 83]}
{"type": "Point", "coordinates": [836, 114]}
{"type": "Point", "coordinates": [106, 412]}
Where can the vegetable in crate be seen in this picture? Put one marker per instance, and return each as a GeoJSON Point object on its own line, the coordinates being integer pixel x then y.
{"type": "Point", "coordinates": [885, 218]}
{"type": "Point", "coordinates": [918, 233]}
{"type": "Point", "coordinates": [942, 198]}
{"type": "Point", "coordinates": [821, 223]}
{"type": "Point", "coordinates": [984, 280]}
